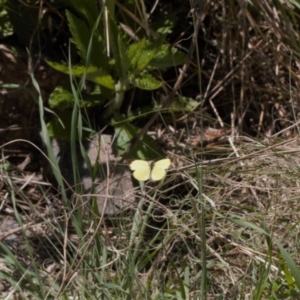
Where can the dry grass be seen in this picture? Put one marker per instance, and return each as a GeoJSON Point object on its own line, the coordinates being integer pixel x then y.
{"type": "Point", "coordinates": [250, 65]}
{"type": "Point", "coordinates": [244, 198]}
{"type": "Point", "coordinates": [231, 195]}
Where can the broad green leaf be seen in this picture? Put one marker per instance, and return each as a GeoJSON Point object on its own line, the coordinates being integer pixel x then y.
{"type": "Point", "coordinates": [86, 9]}
{"type": "Point", "coordinates": [134, 52]}
{"type": "Point", "coordinates": [77, 71]}
{"type": "Point", "coordinates": [167, 57]}
{"type": "Point", "coordinates": [61, 99]}
{"type": "Point", "coordinates": [290, 263]}
{"type": "Point", "coordinates": [92, 74]}
{"type": "Point", "coordinates": [145, 82]}
{"type": "Point", "coordinates": [125, 132]}
{"type": "Point", "coordinates": [104, 80]}
{"type": "Point", "coordinates": [81, 36]}
{"type": "Point", "coordinates": [140, 54]}
{"type": "Point", "coordinates": [144, 60]}
{"type": "Point", "coordinates": [183, 104]}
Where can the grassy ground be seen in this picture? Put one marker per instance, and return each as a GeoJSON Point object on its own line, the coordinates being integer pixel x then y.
{"type": "Point", "coordinates": [209, 230]}
{"type": "Point", "coordinates": [224, 222]}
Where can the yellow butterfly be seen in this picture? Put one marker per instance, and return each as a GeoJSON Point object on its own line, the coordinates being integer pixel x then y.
{"type": "Point", "coordinates": [144, 171]}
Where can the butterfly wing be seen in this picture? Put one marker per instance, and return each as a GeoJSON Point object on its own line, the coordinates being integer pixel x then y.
{"type": "Point", "coordinates": [141, 169]}
{"type": "Point", "coordinates": [159, 169]}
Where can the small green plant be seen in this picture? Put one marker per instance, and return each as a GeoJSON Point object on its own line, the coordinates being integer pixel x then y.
{"type": "Point", "coordinates": [113, 64]}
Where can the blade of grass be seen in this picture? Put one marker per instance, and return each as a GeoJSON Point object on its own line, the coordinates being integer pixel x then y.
{"type": "Point", "coordinates": [290, 263]}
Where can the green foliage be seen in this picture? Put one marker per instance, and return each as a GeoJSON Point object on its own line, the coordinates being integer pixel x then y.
{"type": "Point", "coordinates": [117, 43]}
{"type": "Point", "coordinates": [104, 80]}
{"type": "Point", "coordinates": [183, 104]}
{"type": "Point", "coordinates": [87, 10]}
{"type": "Point", "coordinates": [60, 128]}
{"type": "Point", "coordinates": [179, 105]}
{"type": "Point", "coordinates": [125, 132]}
{"type": "Point", "coordinates": [5, 24]}
{"type": "Point", "coordinates": [290, 270]}
{"type": "Point", "coordinates": [140, 55]}
{"type": "Point", "coordinates": [165, 26]}
{"type": "Point", "coordinates": [92, 74]}
{"type": "Point", "coordinates": [163, 255]}
{"type": "Point", "coordinates": [61, 99]}
{"type": "Point", "coordinates": [145, 82]}
{"type": "Point", "coordinates": [295, 2]}
{"type": "Point", "coordinates": [85, 34]}
{"type": "Point", "coordinates": [167, 57]}
{"type": "Point", "coordinates": [129, 66]}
